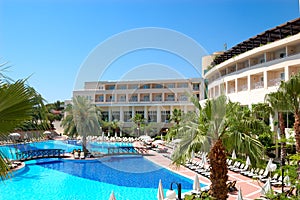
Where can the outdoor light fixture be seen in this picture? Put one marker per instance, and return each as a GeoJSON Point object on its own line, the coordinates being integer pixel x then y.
{"type": "Point", "coordinates": [171, 194]}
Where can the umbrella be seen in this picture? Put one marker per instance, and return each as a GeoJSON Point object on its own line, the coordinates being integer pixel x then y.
{"type": "Point", "coordinates": [160, 192]}
{"type": "Point", "coordinates": [112, 196]}
{"type": "Point", "coordinates": [156, 142]}
{"type": "Point", "coordinates": [193, 155]}
{"type": "Point", "coordinates": [239, 197]}
{"type": "Point", "coordinates": [270, 166]}
{"type": "Point", "coordinates": [14, 134]}
{"type": "Point", "coordinates": [233, 155]}
{"type": "Point", "coordinates": [248, 162]}
{"type": "Point", "coordinates": [203, 159]}
{"type": "Point", "coordinates": [286, 180]}
{"type": "Point", "coordinates": [47, 132]}
{"type": "Point", "coordinates": [266, 187]}
{"type": "Point", "coordinates": [196, 184]}
{"type": "Point", "coordinates": [176, 141]}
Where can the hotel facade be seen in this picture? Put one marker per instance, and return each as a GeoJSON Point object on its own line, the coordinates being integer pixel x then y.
{"type": "Point", "coordinates": [153, 99]}
{"type": "Point", "coordinates": [255, 67]}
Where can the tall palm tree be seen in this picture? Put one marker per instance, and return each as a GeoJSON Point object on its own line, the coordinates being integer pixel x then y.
{"type": "Point", "coordinates": [86, 118]}
{"type": "Point", "coordinates": [16, 107]}
{"type": "Point", "coordinates": [218, 126]}
{"type": "Point", "coordinates": [138, 120]}
{"type": "Point", "coordinates": [291, 90]}
{"type": "Point", "coordinates": [279, 103]}
{"type": "Point", "coordinates": [68, 122]}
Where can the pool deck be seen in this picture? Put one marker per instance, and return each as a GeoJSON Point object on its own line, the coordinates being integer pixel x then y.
{"type": "Point", "coordinates": [250, 188]}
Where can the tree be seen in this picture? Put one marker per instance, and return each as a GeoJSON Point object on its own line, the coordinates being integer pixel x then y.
{"type": "Point", "coordinates": [291, 91]}
{"type": "Point", "coordinates": [176, 115]}
{"type": "Point", "coordinates": [86, 118]}
{"type": "Point", "coordinates": [138, 120]}
{"type": "Point", "coordinates": [68, 122]}
{"type": "Point", "coordinates": [278, 102]}
{"type": "Point", "coordinates": [16, 107]}
{"type": "Point", "coordinates": [219, 126]}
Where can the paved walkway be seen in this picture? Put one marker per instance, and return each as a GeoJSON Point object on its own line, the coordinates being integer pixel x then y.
{"type": "Point", "coordinates": [250, 188]}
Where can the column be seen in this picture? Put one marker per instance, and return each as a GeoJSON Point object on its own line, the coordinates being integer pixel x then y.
{"type": "Point", "coordinates": [286, 73]}
{"type": "Point", "coordinates": [146, 113]}
{"type": "Point", "coordinates": [121, 114]}
{"type": "Point", "coordinates": [158, 114]}
{"type": "Point", "coordinates": [109, 115]}
{"type": "Point", "coordinates": [265, 75]}
{"type": "Point", "coordinates": [133, 111]}
{"type": "Point", "coordinates": [249, 82]}
{"type": "Point", "coordinates": [236, 85]}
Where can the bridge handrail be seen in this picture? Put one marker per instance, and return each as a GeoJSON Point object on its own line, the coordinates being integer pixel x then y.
{"type": "Point", "coordinates": [40, 153]}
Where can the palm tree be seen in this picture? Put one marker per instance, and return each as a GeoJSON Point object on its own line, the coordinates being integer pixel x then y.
{"type": "Point", "coordinates": [291, 91]}
{"type": "Point", "coordinates": [16, 107]}
{"type": "Point", "coordinates": [176, 115]}
{"type": "Point", "coordinates": [86, 118]}
{"type": "Point", "coordinates": [68, 122]}
{"type": "Point", "coordinates": [218, 125]}
{"type": "Point", "coordinates": [138, 120]}
{"type": "Point", "coordinates": [278, 102]}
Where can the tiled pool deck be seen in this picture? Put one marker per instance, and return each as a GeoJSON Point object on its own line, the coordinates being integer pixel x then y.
{"type": "Point", "coordinates": [250, 188]}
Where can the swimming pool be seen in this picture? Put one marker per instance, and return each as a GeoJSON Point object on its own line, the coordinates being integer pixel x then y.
{"type": "Point", "coordinates": [130, 177]}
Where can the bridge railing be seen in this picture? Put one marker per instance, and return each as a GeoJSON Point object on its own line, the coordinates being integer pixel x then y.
{"type": "Point", "coordinates": [41, 153]}
{"type": "Point", "coordinates": [123, 150]}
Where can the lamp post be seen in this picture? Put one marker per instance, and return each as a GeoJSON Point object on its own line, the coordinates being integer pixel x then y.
{"type": "Point", "coordinates": [171, 194]}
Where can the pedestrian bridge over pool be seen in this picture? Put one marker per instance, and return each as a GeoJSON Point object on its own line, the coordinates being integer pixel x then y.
{"type": "Point", "coordinates": [122, 151]}
{"type": "Point", "coordinates": [40, 153]}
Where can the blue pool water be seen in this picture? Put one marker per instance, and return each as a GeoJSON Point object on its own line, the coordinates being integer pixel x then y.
{"type": "Point", "coordinates": [130, 177]}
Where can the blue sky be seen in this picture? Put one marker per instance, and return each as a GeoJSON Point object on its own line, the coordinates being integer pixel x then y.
{"type": "Point", "coordinates": [49, 40]}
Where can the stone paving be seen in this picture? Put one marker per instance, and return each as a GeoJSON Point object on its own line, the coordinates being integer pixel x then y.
{"type": "Point", "coordinates": [250, 188]}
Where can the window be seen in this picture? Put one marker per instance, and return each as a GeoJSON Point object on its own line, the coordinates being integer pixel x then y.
{"type": "Point", "coordinates": [111, 87]}
{"type": "Point", "coordinates": [182, 85]}
{"type": "Point", "coordinates": [122, 87]}
{"type": "Point", "coordinates": [165, 116]}
{"type": "Point", "coordinates": [171, 85]}
{"type": "Point", "coordinates": [116, 115]}
{"type": "Point", "coordinates": [282, 76]}
{"type": "Point", "coordinates": [134, 98]}
{"type": "Point", "coordinates": [133, 86]}
{"type": "Point", "coordinates": [146, 86]}
{"type": "Point", "coordinates": [152, 116]}
{"type": "Point", "coordinates": [282, 55]}
{"type": "Point", "coordinates": [146, 98]}
{"type": "Point", "coordinates": [127, 116]}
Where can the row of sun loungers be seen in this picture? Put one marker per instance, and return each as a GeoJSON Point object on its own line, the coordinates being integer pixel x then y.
{"type": "Point", "coordinates": [255, 173]}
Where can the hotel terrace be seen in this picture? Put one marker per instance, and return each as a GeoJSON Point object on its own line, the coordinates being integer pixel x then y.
{"type": "Point", "coordinates": [255, 67]}
{"type": "Point", "coordinates": [153, 99]}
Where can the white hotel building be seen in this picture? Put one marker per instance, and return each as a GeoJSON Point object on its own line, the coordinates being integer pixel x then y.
{"type": "Point", "coordinates": [255, 67]}
{"type": "Point", "coordinates": [153, 99]}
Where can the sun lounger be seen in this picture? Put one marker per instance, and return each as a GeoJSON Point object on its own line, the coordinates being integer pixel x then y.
{"type": "Point", "coordinates": [76, 155]}
{"type": "Point", "coordinates": [82, 155]}
{"type": "Point", "coordinates": [237, 169]}
{"type": "Point", "coordinates": [275, 177]}
{"type": "Point", "coordinates": [264, 175]}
